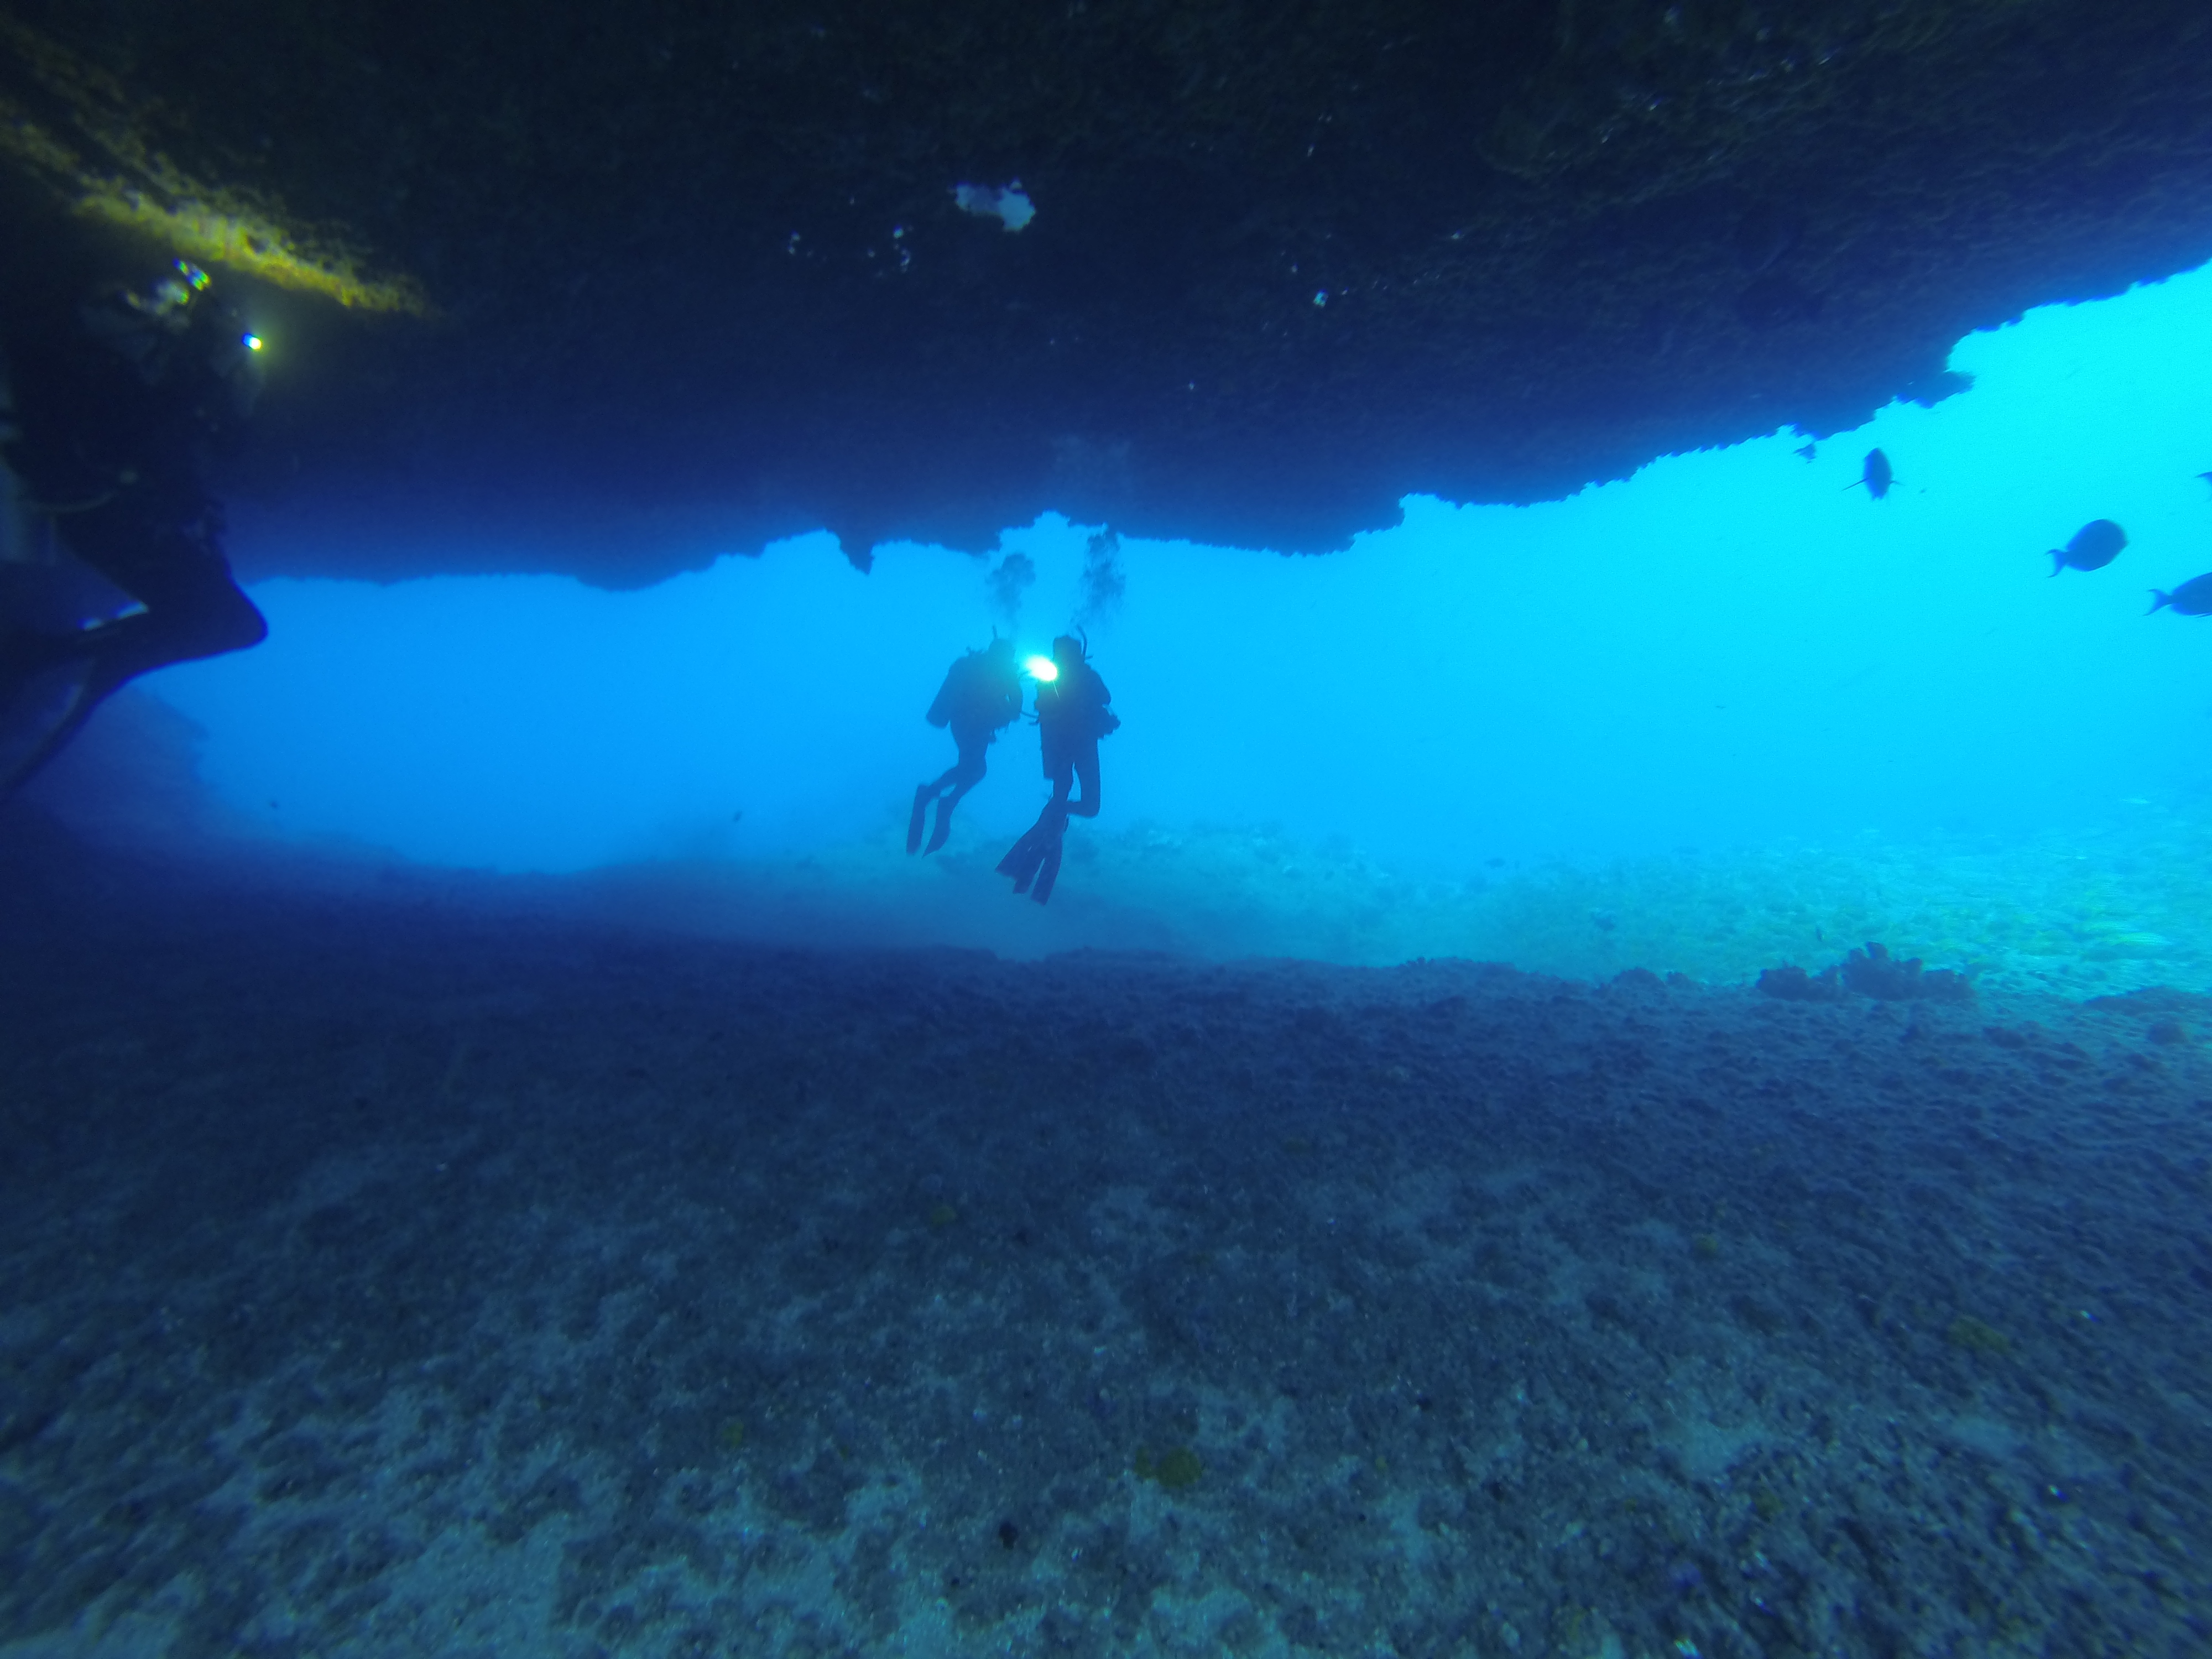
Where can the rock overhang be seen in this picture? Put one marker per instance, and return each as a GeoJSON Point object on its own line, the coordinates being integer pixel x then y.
{"type": "Point", "coordinates": [1274, 268]}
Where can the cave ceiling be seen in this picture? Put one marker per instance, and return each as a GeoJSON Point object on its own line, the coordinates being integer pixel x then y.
{"type": "Point", "coordinates": [557, 277]}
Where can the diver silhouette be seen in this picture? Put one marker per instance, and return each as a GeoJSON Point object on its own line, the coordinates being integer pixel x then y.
{"type": "Point", "coordinates": [108, 410]}
{"type": "Point", "coordinates": [982, 695]}
{"type": "Point", "coordinates": [1072, 716]}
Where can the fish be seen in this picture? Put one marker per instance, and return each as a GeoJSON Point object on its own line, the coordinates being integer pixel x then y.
{"type": "Point", "coordinates": [1807, 451]}
{"type": "Point", "coordinates": [1877, 477]}
{"type": "Point", "coordinates": [2192, 598]}
{"type": "Point", "coordinates": [2095, 546]}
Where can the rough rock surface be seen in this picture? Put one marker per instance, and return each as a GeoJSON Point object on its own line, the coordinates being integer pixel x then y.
{"type": "Point", "coordinates": [700, 271]}
{"type": "Point", "coordinates": [404, 1276]}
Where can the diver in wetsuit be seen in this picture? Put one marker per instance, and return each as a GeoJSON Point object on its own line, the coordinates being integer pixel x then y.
{"type": "Point", "coordinates": [982, 695]}
{"type": "Point", "coordinates": [1072, 716]}
{"type": "Point", "coordinates": [110, 408]}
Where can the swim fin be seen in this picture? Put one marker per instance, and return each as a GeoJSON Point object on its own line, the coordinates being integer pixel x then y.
{"type": "Point", "coordinates": [1024, 871]}
{"type": "Point", "coordinates": [943, 831]}
{"type": "Point", "coordinates": [1048, 868]}
{"type": "Point", "coordinates": [24, 754]}
{"type": "Point", "coordinates": [1023, 858]}
{"type": "Point", "coordinates": [923, 797]}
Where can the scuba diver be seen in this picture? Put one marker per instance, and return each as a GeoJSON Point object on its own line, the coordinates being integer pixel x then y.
{"type": "Point", "coordinates": [108, 409]}
{"type": "Point", "coordinates": [982, 695]}
{"type": "Point", "coordinates": [1072, 716]}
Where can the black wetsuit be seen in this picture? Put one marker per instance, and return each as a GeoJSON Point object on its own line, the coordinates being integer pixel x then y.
{"type": "Point", "coordinates": [1071, 717]}
{"type": "Point", "coordinates": [982, 695]}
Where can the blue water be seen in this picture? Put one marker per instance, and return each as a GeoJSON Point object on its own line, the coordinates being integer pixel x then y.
{"type": "Point", "coordinates": [1729, 648]}
{"type": "Point", "coordinates": [1728, 712]}
{"type": "Point", "coordinates": [407, 1261]}
{"type": "Point", "coordinates": [1732, 653]}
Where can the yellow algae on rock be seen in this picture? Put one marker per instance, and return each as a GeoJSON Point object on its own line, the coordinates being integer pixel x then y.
{"type": "Point", "coordinates": [111, 174]}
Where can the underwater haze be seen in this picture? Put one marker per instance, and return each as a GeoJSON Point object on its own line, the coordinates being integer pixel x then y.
{"type": "Point", "coordinates": [1624, 1078]}
{"type": "Point", "coordinates": [1550, 735]}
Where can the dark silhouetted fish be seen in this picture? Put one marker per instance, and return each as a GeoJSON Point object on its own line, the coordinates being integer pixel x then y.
{"type": "Point", "coordinates": [2192, 598]}
{"type": "Point", "coordinates": [2095, 546]}
{"type": "Point", "coordinates": [1807, 451]}
{"type": "Point", "coordinates": [1877, 477]}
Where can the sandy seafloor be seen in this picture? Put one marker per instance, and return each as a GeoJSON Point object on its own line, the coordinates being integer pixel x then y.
{"type": "Point", "coordinates": [398, 1273]}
